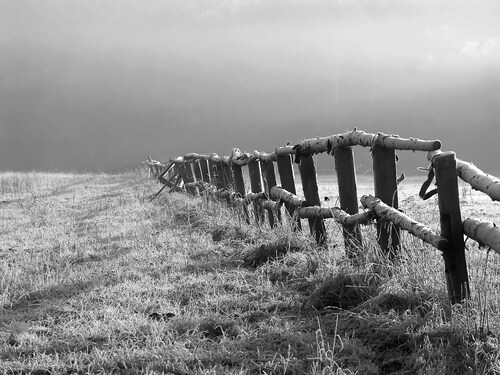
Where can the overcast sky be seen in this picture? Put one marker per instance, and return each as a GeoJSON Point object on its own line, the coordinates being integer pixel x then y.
{"type": "Point", "coordinates": [97, 85]}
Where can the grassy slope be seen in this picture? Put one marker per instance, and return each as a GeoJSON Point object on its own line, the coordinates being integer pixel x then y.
{"type": "Point", "coordinates": [95, 278]}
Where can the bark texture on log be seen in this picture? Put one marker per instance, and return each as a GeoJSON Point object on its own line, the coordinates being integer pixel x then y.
{"type": "Point", "coordinates": [278, 193]}
{"type": "Point", "coordinates": [479, 180]}
{"type": "Point", "coordinates": [484, 232]}
{"type": "Point", "coordinates": [334, 213]}
{"type": "Point", "coordinates": [360, 138]}
{"type": "Point", "coordinates": [404, 221]}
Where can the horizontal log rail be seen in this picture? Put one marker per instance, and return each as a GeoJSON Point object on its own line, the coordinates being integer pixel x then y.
{"type": "Point", "coordinates": [484, 232]}
{"type": "Point", "coordinates": [475, 177]}
{"type": "Point", "coordinates": [404, 222]}
{"type": "Point", "coordinates": [278, 193]}
{"type": "Point", "coordinates": [360, 138]}
{"type": "Point", "coordinates": [334, 213]}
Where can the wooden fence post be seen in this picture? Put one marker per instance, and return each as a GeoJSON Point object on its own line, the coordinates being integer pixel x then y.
{"type": "Point", "coordinates": [310, 186]}
{"type": "Point", "coordinates": [220, 175]}
{"type": "Point", "coordinates": [348, 196]}
{"type": "Point", "coordinates": [226, 175]}
{"type": "Point", "coordinates": [189, 178]}
{"type": "Point", "coordinates": [239, 187]}
{"type": "Point", "coordinates": [269, 179]}
{"type": "Point", "coordinates": [287, 178]}
{"type": "Point", "coordinates": [213, 170]}
{"type": "Point", "coordinates": [256, 186]}
{"type": "Point", "coordinates": [386, 188]}
{"type": "Point", "coordinates": [205, 174]}
{"type": "Point", "coordinates": [457, 280]}
{"type": "Point", "coordinates": [197, 174]}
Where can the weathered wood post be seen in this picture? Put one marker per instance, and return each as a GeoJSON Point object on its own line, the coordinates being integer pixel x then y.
{"type": "Point", "coordinates": [386, 188]}
{"type": "Point", "coordinates": [214, 177]}
{"type": "Point", "coordinates": [179, 176]}
{"type": "Point", "coordinates": [256, 186]}
{"type": "Point", "coordinates": [348, 196]}
{"type": "Point", "coordinates": [220, 175]}
{"type": "Point", "coordinates": [310, 186]}
{"type": "Point", "coordinates": [226, 175]}
{"type": "Point", "coordinates": [197, 174]}
{"type": "Point", "coordinates": [205, 174]}
{"type": "Point", "coordinates": [239, 187]}
{"type": "Point", "coordinates": [457, 279]}
{"type": "Point", "coordinates": [150, 168]}
{"type": "Point", "coordinates": [269, 178]}
{"type": "Point", "coordinates": [287, 178]}
{"type": "Point", "coordinates": [189, 179]}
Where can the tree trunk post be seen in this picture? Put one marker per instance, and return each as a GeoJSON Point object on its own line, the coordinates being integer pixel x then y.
{"type": "Point", "coordinates": [310, 186]}
{"type": "Point", "coordinates": [287, 178]}
{"type": "Point", "coordinates": [188, 172]}
{"type": "Point", "coordinates": [205, 174]}
{"type": "Point", "coordinates": [220, 175]}
{"type": "Point", "coordinates": [269, 178]}
{"type": "Point", "coordinates": [386, 188]}
{"type": "Point", "coordinates": [457, 279]}
{"type": "Point", "coordinates": [214, 177]}
{"type": "Point", "coordinates": [197, 174]}
{"type": "Point", "coordinates": [256, 186]}
{"type": "Point", "coordinates": [239, 187]}
{"type": "Point", "coordinates": [226, 175]}
{"type": "Point", "coordinates": [348, 196]}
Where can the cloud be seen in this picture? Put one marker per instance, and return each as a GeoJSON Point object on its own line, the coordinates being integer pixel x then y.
{"type": "Point", "coordinates": [485, 49]}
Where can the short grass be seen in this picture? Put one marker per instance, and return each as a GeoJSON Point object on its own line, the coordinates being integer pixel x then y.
{"type": "Point", "coordinates": [95, 278]}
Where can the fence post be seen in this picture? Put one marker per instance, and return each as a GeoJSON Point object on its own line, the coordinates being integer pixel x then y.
{"type": "Point", "coordinates": [189, 178]}
{"type": "Point", "coordinates": [214, 176]}
{"type": "Point", "coordinates": [205, 174]}
{"type": "Point", "coordinates": [310, 186]}
{"type": "Point", "coordinates": [220, 175]}
{"type": "Point", "coordinates": [256, 186]}
{"type": "Point", "coordinates": [457, 280]}
{"type": "Point", "coordinates": [287, 178]}
{"type": "Point", "coordinates": [226, 175]}
{"type": "Point", "coordinates": [348, 196]}
{"type": "Point", "coordinates": [239, 187]}
{"type": "Point", "coordinates": [386, 188]}
{"type": "Point", "coordinates": [269, 178]}
{"type": "Point", "coordinates": [197, 174]}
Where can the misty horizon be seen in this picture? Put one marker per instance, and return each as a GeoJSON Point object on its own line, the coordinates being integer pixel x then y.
{"type": "Point", "coordinates": [92, 86]}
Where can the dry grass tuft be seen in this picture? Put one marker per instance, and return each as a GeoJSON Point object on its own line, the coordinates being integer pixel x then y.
{"type": "Point", "coordinates": [344, 291]}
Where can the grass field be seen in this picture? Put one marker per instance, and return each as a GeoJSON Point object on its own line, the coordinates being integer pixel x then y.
{"type": "Point", "coordinates": [97, 279]}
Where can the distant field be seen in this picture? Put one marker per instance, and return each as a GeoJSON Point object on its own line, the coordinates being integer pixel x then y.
{"type": "Point", "coordinates": [96, 278]}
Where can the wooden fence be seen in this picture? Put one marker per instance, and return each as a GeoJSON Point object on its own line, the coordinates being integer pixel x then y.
{"type": "Point", "coordinates": [222, 176]}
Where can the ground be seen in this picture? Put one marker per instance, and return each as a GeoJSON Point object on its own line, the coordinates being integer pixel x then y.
{"type": "Point", "coordinates": [95, 277]}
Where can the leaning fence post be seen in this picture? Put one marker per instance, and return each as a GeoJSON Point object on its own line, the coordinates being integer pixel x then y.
{"type": "Point", "coordinates": [189, 178]}
{"type": "Point", "coordinates": [239, 187]}
{"type": "Point", "coordinates": [287, 178]}
{"type": "Point", "coordinates": [197, 175]}
{"type": "Point", "coordinates": [386, 188]}
{"type": "Point", "coordinates": [348, 196]}
{"type": "Point", "coordinates": [213, 170]}
{"type": "Point", "coordinates": [220, 175]}
{"type": "Point", "coordinates": [205, 175]}
{"type": "Point", "coordinates": [310, 186]}
{"type": "Point", "coordinates": [256, 186]}
{"type": "Point", "coordinates": [226, 174]}
{"type": "Point", "coordinates": [269, 178]}
{"type": "Point", "coordinates": [457, 280]}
